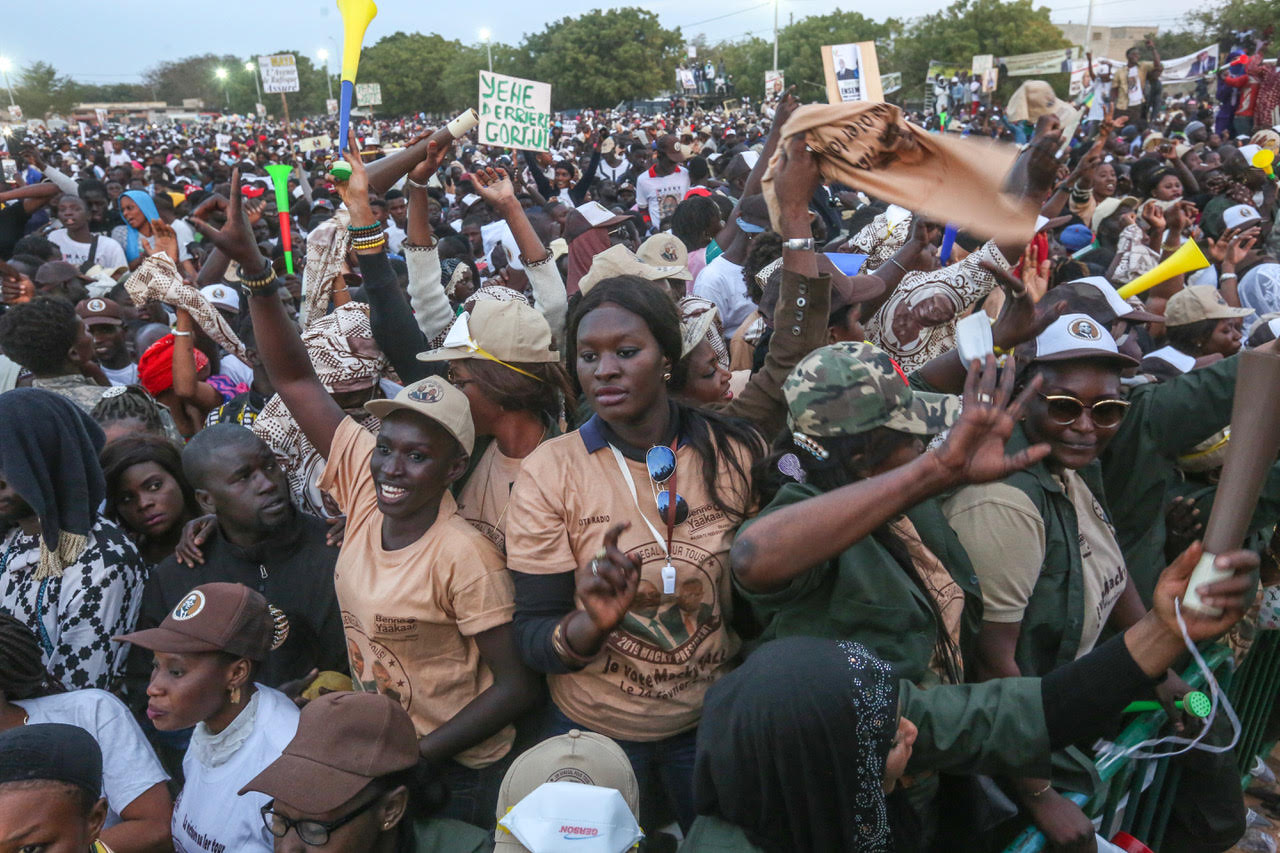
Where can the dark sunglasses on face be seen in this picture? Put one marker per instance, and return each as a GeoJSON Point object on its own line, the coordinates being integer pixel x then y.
{"type": "Point", "coordinates": [1065, 410]}
{"type": "Point", "coordinates": [661, 462]}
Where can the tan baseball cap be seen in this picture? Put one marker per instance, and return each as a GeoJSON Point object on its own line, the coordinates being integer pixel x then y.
{"type": "Point", "coordinates": [584, 757]}
{"type": "Point", "coordinates": [618, 260]}
{"type": "Point", "coordinates": [217, 617]}
{"type": "Point", "coordinates": [1199, 302]}
{"type": "Point", "coordinates": [1108, 206]}
{"type": "Point", "coordinates": [666, 250]}
{"type": "Point", "coordinates": [507, 331]}
{"type": "Point", "coordinates": [344, 741]}
{"type": "Point", "coordinates": [435, 399]}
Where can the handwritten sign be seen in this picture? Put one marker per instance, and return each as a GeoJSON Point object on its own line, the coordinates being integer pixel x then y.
{"type": "Point", "coordinates": [279, 73]}
{"type": "Point", "coordinates": [514, 113]}
{"type": "Point", "coordinates": [368, 94]}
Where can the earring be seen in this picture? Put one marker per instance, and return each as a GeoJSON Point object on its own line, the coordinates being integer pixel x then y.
{"type": "Point", "coordinates": [666, 376]}
{"type": "Point", "coordinates": [235, 695]}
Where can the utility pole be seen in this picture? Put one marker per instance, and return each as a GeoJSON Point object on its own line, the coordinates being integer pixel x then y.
{"type": "Point", "coordinates": [1088, 32]}
{"type": "Point", "coordinates": [775, 35]}
{"type": "Point", "coordinates": [252, 68]}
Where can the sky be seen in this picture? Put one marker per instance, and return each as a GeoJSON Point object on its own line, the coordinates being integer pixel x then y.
{"type": "Point", "coordinates": [87, 36]}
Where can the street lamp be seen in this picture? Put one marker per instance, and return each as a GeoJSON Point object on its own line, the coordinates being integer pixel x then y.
{"type": "Point", "coordinates": [6, 65]}
{"type": "Point", "coordinates": [488, 47]}
{"type": "Point", "coordinates": [323, 56]}
{"type": "Point", "coordinates": [221, 74]}
{"type": "Point", "coordinates": [257, 87]}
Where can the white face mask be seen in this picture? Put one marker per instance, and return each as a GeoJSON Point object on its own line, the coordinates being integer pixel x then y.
{"type": "Point", "coordinates": [596, 819]}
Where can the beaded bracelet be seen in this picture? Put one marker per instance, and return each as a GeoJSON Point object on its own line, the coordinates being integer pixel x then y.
{"type": "Point", "coordinates": [365, 229]}
{"type": "Point", "coordinates": [365, 238]}
{"type": "Point", "coordinates": [264, 282]}
{"type": "Point", "coordinates": [370, 246]}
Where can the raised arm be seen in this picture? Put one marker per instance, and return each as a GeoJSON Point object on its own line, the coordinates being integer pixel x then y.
{"type": "Point", "coordinates": [279, 346]}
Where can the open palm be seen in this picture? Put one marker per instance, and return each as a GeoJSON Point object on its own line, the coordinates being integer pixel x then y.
{"type": "Point", "coordinates": [973, 451]}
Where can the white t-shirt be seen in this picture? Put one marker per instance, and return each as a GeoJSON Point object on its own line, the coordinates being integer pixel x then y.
{"type": "Point", "coordinates": [721, 281]}
{"type": "Point", "coordinates": [232, 366]}
{"type": "Point", "coordinates": [127, 375]}
{"type": "Point", "coordinates": [110, 254]}
{"type": "Point", "coordinates": [395, 237]}
{"type": "Point", "coordinates": [120, 158]}
{"type": "Point", "coordinates": [186, 236]}
{"type": "Point", "coordinates": [612, 173]}
{"type": "Point", "coordinates": [661, 193]}
{"type": "Point", "coordinates": [129, 766]}
{"type": "Point", "coordinates": [208, 814]}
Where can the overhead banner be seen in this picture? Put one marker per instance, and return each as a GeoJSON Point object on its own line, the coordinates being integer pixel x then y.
{"type": "Point", "coordinates": [514, 113]}
{"type": "Point", "coordinates": [1044, 62]}
{"type": "Point", "coordinates": [279, 73]}
{"type": "Point", "coordinates": [852, 72]}
{"type": "Point", "coordinates": [774, 83]}
{"type": "Point", "coordinates": [891, 82]}
{"type": "Point", "coordinates": [1193, 66]}
{"type": "Point", "coordinates": [368, 94]}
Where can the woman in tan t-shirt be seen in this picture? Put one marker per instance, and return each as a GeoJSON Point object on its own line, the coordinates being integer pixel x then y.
{"type": "Point", "coordinates": [630, 638]}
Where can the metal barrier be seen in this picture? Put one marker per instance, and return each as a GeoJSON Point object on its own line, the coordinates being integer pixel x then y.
{"type": "Point", "coordinates": [1125, 800]}
{"type": "Point", "coordinates": [1253, 692]}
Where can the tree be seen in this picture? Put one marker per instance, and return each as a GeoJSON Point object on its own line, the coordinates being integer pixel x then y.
{"type": "Point", "coordinates": [411, 69]}
{"type": "Point", "coordinates": [40, 90]}
{"type": "Point", "coordinates": [1217, 22]}
{"type": "Point", "coordinates": [800, 54]}
{"type": "Point", "coordinates": [604, 57]}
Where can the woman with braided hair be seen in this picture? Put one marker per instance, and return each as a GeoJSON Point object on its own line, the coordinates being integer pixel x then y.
{"type": "Point", "coordinates": [138, 804]}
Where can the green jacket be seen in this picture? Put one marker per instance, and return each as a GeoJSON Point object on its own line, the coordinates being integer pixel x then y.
{"type": "Point", "coordinates": [443, 835]}
{"type": "Point", "coordinates": [996, 727]}
{"type": "Point", "coordinates": [1054, 618]}
{"type": "Point", "coordinates": [1139, 466]}
{"type": "Point", "coordinates": [865, 595]}
{"type": "Point", "coordinates": [1265, 515]}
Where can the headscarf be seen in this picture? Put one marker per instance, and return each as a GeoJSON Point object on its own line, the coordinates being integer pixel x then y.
{"type": "Point", "coordinates": [583, 248]}
{"type": "Point", "coordinates": [792, 747]}
{"type": "Point", "coordinates": [51, 752]}
{"type": "Point", "coordinates": [327, 248]}
{"type": "Point", "coordinates": [155, 366]}
{"type": "Point", "coordinates": [157, 279]}
{"type": "Point", "coordinates": [49, 455]}
{"type": "Point", "coordinates": [133, 246]}
{"type": "Point", "coordinates": [451, 270]}
{"type": "Point", "coordinates": [692, 308]}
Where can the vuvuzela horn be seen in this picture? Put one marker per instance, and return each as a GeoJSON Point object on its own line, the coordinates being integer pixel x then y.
{"type": "Point", "coordinates": [1188, 258]}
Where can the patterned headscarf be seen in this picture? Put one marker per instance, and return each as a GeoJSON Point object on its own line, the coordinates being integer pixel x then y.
{"type": "Point", "coordinates": [694, 307]}
{"type": "Point", "coordinates": [157, 279]}
{"type": "Point", "coordinates": [327, 248]}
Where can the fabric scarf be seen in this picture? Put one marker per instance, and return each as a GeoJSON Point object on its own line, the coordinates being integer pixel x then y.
{"type": "Point", "coordinates": [693, 307]}
{"type": "Point", "coordinates": [327, 248]}
{"type": "Point", "coordinates": [449, 274]}
{"type": "Point", "coordinates": [49, 455]}
{"type": "Point", "coordinates": [873, 148]}
{"type": "Point", "coordinates": [215, 750]}
{"type": "Point", "coordinates": [155, 366]}
{"type": "Point", "coordinates": [157, 279]}
{"type": "Point", "coordinates": [582, 251]}
{"type": "Point", "coordinates": [792, 747]}
{"type": "Point", "coordinates": [133, 245]}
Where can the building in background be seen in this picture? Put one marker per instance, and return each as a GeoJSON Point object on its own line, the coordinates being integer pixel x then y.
{"type": "Point", "coordinates": [1110, 42]}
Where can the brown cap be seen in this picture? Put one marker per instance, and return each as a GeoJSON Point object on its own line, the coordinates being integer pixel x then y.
{"type": "Point", "coordinates": [435, 399]}
{"type": "Point", "coordinates": [56, 272]}
{"type": "Point", "coordinates": [499, 331]}
{"type": "Point", "coordinates": [1199, 302]}
{"type": "Point", "coordinates": [100, 311]}
{"type": "Point", "coordinates": [217, 617]}
{"type": "Point", "coordinates": [344, 742]}
{"type": "Point", "coordinates": [669, 145]}
{"type": "Point", "coordinates": [1097, 297]}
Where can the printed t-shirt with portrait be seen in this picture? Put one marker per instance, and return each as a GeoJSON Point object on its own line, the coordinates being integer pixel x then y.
{"type": "Point", "coordinates": [411, 615]}
{"type": "Point", "coordinates": [1004, 534]}
{"type": "Point", "coordinates": [486, 495]}
{"type": "Point", "coordinates": [661, 194]}
{"type": "Point", "coordinates": [649, 680]}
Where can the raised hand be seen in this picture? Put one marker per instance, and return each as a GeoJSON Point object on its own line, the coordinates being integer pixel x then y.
{"type": "Point", "coordinates": [606, 584]}
{"type": "Point", "coordinates": [429, 164]}
{"type": "Point", "coordinates": [1022, 316]}
{"type": "Point", "coordinates": [235, 238]}
{"type": "Point", "coordinates": [494, 186]}
{"type": "Point", "coordinates": [973, 451]}
{"type": "Point", "coordinates": [356, 187]}
{"type": "Point", "coordinates": [163, 239]}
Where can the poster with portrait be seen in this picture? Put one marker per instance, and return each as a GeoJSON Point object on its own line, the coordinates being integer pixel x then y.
{"type": "Point", "coordinates": [1190, 67]}
{"type": "Point", "coordinates": [774, 84]}
{"type": "Point", "coordinates": [852, 72]}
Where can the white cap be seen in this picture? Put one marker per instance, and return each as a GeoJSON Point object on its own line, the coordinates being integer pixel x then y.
{"type": "Point", "coordinates": [1249, 151]}
{"type": "Point", "coordinates": [222, 296]}
{"type": "Point", "coordinates": [1074, 336]}
{"type": "Point", "coordinates": [1240, 214]}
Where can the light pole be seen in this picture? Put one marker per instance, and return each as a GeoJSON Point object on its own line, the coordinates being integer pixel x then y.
{"type": "Point", "coordinates": [488, 46]}
{"type": "Point", "coordinates": [323, 56]}
{"type": "Point", "coordinates": [5, 65]}
{"type": "Point", "coordinates": [221, 74]}
{"type": "Point", "coordinates": [257, 87]}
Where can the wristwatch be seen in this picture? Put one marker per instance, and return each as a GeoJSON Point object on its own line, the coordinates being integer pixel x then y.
{"type": "Point", "coordinates": [798, 244]}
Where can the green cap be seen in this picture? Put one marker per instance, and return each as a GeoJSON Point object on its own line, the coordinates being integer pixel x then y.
{"type": "Point", "coordinates": [850, 388]}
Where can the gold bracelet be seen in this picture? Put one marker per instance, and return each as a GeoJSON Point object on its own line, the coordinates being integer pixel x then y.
{"type": "Point", "coordinates": [564, 651]}
{"type": "Point", "coordinates": [259, 283]}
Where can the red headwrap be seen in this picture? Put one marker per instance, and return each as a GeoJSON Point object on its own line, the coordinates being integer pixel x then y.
{"type": "Point", "coordinates": [155, 368]}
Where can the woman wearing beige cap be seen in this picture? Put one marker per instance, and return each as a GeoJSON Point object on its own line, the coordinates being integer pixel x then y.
{"type": "Point", "coordinates": [351, 781]}
{"type": "Point", "coordinates": [426, 600]}
{"type": "Point", "coordinates": [206, 653]}
{"type": "Point", "coordinates": [1199, 322]}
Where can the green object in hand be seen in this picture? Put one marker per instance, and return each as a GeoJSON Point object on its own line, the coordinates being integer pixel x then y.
{"type": "Point", "coordinates": [341, 170]}
{"type": "Point", "coordinates": [1194, 703]}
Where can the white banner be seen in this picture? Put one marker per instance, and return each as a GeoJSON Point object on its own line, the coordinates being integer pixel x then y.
{"type": "Point", "coordinates": [279, 73]}
{"type": "Point", "coordinates": [1043, 62]}
{"type": "Point", "coordinates": [1193, 66]}
{"type": "Point", "coordinates": [368, 94]}
{"type": "Point", "coordinates": [514, 113]}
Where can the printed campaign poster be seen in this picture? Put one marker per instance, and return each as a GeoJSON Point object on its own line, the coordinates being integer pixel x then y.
{"type": "Point", "coordinates": [985, 71]}
{"type": "Point", "coordinates": [852, 72]}
{"type": "Point", "coordinates": [774, 84]}
{"type": "Point", "coordinates": [1193, 66]}
{"type": "Point", "coordinates": [279, 73]}
{"type": "Point", "coordinates": [1043, 62]}
{"type": "Point", "coordinates": [514, 113]}
{"type": "Point", "coordinates": [891, 82]}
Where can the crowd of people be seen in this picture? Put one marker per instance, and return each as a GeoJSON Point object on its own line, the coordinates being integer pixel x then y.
{"type": "Point", "coordinates": [352, 549]}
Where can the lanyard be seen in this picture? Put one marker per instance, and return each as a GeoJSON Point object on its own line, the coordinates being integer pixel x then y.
{"type": "Point", "coordinates": [668, 570]}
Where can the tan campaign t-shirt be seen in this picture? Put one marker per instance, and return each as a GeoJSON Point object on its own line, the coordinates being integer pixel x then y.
{"type": "Point", "coordinates": [649, 680]}
{"type": "Point", "coordinates": [411, 615]}
{"type": "Point", "coordinates": [484, 498]}
{"type": "Point", "coordinates": [1002, 531]}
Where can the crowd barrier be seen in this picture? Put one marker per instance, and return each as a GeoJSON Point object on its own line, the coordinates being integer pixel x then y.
{"type": "Point", "coordinates": [1136, 795]}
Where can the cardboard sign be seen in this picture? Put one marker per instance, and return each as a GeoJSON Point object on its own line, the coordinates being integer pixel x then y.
{"type": "Point", "coordinates": [279, 73]}
{"type": "Point", "coordinates": [983, 65]}
{"type": "Point", "coordinates": [368, 94]}
{"type": "Point", "coordinates": [314, 143]}
{"type": "Point", "coordinates": [514, 113]}
{"type": "Point", "coordinates": [775, 83]}
{"type": "Point", "coordinates": [852, 72]}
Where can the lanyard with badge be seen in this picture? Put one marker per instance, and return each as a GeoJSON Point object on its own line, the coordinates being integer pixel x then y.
{"type": "Point", "coordinates": [661, 461]}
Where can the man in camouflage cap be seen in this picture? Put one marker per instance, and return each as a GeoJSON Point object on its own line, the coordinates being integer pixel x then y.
{"type": "Point", "coordinates": [850, 388]}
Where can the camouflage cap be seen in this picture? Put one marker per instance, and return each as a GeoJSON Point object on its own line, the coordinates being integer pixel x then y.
{"type": "Point", "coordinates": [850, 388]}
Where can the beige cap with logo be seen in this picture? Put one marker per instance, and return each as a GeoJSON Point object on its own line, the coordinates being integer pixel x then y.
{"type": "Point", "coordinates": [435, 399]}
{"type": "Point", "coordinates": [503, 331]}
{"type": "Point", "coordinates": [665, 250]}
{"type": "Point", "coordinates": [1200, 302]}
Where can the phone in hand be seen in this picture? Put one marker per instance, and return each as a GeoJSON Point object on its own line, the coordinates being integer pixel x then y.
{"type": "Point", "coordinates": [9, 169]}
